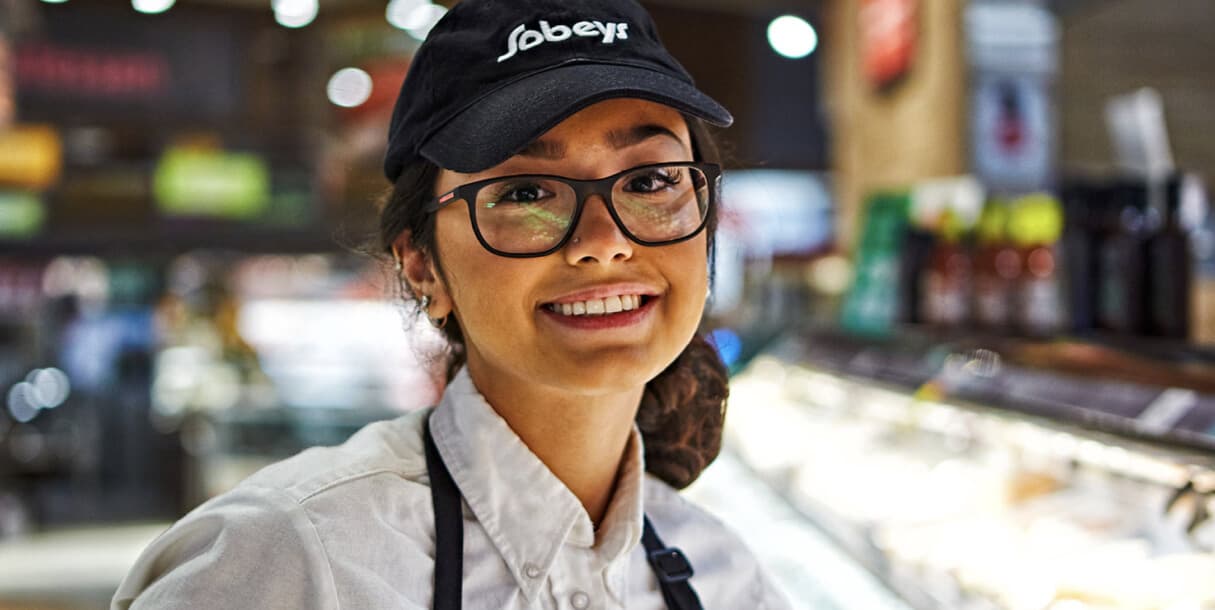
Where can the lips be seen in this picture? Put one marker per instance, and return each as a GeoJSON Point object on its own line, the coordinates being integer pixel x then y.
{"type": "Point", "coordinates": [603, 299]}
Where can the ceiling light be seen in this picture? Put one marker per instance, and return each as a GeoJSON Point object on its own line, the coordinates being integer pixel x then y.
{"type": "Point", "coordinates": [792, 36]}
{"type": "Point", "coordinates": [151, 7]}
{"type": "Point", "coordinates": [399, 12]}
{"type": "Point", "coordinates": [422, 18]}
{"type": "Point", "coordinates": [295, 13]}
{"type": "Point", "coordinates": [349, 87]}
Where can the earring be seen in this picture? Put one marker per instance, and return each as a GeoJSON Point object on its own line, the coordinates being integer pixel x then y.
{"type": "Point", "coordinates": [424, 306]}
{"type": "Point", "coordinates": [398, 265]}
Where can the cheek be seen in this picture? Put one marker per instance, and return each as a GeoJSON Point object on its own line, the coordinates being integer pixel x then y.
{"type": "Point", "coordinates": [484, 288]}
{"type": "Point", "coordinates": [463, 262]}
{"type": "Point", "coordinates": [686, 268]}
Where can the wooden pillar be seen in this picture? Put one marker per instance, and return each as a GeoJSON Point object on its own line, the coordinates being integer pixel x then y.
{"type": "Point", "coordinates": [915, 128]}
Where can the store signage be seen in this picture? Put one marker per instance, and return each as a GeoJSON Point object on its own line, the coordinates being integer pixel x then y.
{"type": "Point", "coordinates": [211, 184]}
{"type": "Point", "coordinates": [888, 39]}
{"type": "Point", "coordinates": [30, 156]}
{"type": "Point", "coordinates": [94, 63]}
{"type": "Point", "coordinates": [1013, 51]}
{"type": "Point", "coordinates": [90, 72]}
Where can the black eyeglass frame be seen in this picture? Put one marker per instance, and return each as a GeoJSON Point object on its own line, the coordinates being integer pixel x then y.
{"type": "Point", "coordinates": [583, 189]}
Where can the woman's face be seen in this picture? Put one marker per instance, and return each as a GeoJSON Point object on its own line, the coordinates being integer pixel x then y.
{"type": "Point", "coordinates": [510, 308]}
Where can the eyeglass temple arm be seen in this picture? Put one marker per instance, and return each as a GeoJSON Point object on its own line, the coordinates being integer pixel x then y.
{"type": "Point", "coordinates": [438, 203]}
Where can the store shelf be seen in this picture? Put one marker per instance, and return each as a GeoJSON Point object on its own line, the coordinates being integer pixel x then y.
{"type": "Point", "coordinates": [1086, 388]}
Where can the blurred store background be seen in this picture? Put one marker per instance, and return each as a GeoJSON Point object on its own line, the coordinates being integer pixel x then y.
{"type": "Point", "coordinates": [965, 280]}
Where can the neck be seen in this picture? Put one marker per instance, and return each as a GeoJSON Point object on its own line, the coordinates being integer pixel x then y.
{"type": "Point", "coordinates": [581, 438]}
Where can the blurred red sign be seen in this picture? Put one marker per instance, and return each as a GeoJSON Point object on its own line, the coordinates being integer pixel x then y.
{"type": "Point", "coordinates": [69, 71]}
{"type": "Point", "coordinates": [888, 38]}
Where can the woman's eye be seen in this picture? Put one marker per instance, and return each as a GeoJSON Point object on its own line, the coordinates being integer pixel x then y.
{"type": "Point", "coordinates": [655, 180]}
{"type": "Point", "coordinates": [527, 193]}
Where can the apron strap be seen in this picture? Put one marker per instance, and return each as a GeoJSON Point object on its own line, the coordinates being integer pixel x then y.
{"type": "Point", "coordinates": [672, 569]}
{"type": "Point", "coordinates": [449, 529]}
{"type": "Point", "coordinates": [669, 564]}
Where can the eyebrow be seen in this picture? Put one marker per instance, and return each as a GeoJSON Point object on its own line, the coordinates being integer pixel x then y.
{"type": "Point", "coordinates": [620, 138]}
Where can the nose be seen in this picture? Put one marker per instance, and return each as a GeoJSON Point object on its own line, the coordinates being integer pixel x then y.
{"type": "Point", "coordinates": [597, 238]}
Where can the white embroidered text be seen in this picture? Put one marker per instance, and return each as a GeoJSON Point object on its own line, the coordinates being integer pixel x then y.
{"type": "Point", "coordinates": [523, 39]}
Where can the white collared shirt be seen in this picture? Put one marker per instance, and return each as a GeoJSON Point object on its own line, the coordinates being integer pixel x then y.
{"type": "Point", "coordinates": [352, 527]}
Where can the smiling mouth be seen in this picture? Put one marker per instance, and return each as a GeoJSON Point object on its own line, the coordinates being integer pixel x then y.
{"type": "Point", "coordinates": [599, 307]}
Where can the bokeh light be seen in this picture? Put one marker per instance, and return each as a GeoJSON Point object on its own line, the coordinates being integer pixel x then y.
{"type": "Point", "coordinates": [399, 12]}
{"type": "Point", "coordinates": [792, 36]}
{"type": "Point", "coordinates": [295, 13]}
{"type": "Point", "coordinates": [20, 403]}
{"type": "Point", "coordinates": [422, 18]}
{"type": "Point", "coordinates": [50, 387]}
{"type": "Point", "coordinates": [152, 7]}
{"type": "Point", "coordinates": [349, 87]}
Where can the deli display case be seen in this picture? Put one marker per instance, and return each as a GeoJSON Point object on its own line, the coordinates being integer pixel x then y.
{"type": "Point", "coordinates": [989, 472]}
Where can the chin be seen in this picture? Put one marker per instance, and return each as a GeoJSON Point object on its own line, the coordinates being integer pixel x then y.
{"type": "Point", "coordinates": [595, 376]}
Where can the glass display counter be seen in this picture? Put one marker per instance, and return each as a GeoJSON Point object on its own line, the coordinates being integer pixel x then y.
{"type": "Point", "coordinates": [1013, 477]}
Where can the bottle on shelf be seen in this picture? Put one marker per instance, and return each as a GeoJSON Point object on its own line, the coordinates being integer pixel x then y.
{"type": "Point", "coordinates": [997, 268]}
{"type": "Point", "coordinates": [1122, 260]}
{"type": "Point", "coordinates": [872, 305]}
{"type": "Point", "coordinates": [1079, 245]}
{"type": "Point", "coordinates": [1036, 226]}
{"type": "Point", "coordinates": [946, 281]}
{"type": "Point", "coordinates": [1200, 222]}
{"type": "Point", "coordinates": [1170, 270]}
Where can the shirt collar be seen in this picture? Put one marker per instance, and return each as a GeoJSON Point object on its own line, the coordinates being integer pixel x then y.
{"type": "Point", "coordinates": [525, 509]}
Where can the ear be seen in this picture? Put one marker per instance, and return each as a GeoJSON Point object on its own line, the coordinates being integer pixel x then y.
{"type": "Point", "coordinates": [419, 271]}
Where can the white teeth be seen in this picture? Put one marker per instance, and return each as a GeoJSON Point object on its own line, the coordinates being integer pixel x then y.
{"type": "Point", "coordinates": [608, 305]}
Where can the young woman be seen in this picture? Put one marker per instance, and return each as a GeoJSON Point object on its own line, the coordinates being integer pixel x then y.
{"type": "Point", "coordinates": [553, 210]}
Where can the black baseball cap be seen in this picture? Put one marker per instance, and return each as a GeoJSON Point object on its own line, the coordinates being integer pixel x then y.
{"type": "Point", "coordinates": [494, 75]}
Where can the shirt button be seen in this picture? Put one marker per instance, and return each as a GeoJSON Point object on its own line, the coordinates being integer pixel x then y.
{"type": "Point", "coordinates": [531, 570]}
{"type": "Point", "coordinates": [580, 600]}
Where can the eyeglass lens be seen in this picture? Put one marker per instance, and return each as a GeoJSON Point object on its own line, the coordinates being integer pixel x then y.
{"type": "Point", "coordinates": [522, 215]}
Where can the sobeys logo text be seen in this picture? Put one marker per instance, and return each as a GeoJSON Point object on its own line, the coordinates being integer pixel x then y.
{"type": "Point", "coordinates": [523, 39]}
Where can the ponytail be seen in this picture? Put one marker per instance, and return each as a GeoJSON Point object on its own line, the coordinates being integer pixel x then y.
{"type": "Point", "coordinates": [681, 415]}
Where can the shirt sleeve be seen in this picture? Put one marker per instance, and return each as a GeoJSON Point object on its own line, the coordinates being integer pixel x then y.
{"type": "Point", "coordinates": [250, 548]}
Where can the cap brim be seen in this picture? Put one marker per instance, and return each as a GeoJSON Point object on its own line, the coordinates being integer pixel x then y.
{"type": "Point", "coordinates": [502, 123]}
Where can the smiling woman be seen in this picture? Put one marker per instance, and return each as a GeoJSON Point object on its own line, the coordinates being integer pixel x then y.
{"type": "Point", "coordinates": [552, 210]}
{"type": "Point", "coordinates": [597, 263]}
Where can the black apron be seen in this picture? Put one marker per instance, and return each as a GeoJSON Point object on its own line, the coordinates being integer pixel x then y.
{"type": "Point", "coordinates": [668, 563]}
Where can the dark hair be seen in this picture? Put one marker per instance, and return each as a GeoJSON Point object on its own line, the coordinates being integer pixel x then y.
{"type": "Point", "coordinates": [682, 409]}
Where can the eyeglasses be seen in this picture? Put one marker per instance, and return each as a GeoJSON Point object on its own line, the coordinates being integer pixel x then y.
{"type": "Point", "coordinates": [535, 215]}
